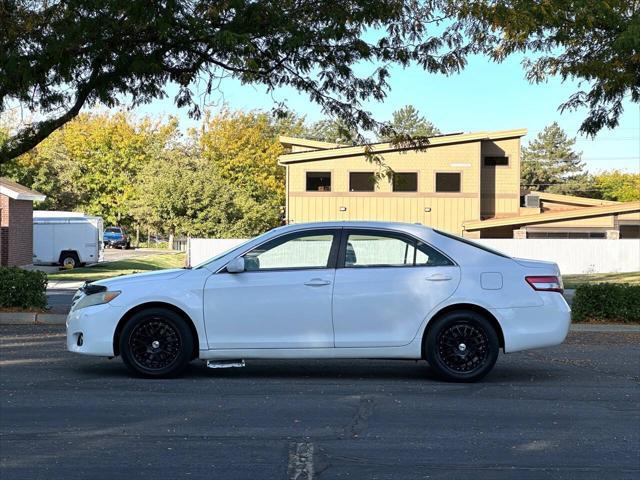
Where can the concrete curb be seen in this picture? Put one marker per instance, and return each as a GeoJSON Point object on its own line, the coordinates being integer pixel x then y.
{"type": "Point", "coordinates": [28, 318]}
{"type": "Point", "coordinates": [605, 327]}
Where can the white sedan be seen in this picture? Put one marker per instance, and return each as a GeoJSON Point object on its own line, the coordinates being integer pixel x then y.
{"type": "Point", "coordinates": [328, 290]}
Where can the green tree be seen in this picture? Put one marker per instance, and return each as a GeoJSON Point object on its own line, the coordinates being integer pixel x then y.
{"type": "Point", "coordinates": [58, 57]}
{"type": "Point", "coordinates": [179, 194]}
{"type": "Point", "coordinates": [618, 186]}
{"type": "Point", "coordinates": [549, 163]}
{"type": "Point", "coordinates": [242, 149]}
{"type": "Point", "coordinates": [91, 164]}
{"type": "Point", "coordinates": [332, 131]}
{"type": "Point", "coordinates": [407, 122]}
{"type": "Point", "coordinates": [595, 42]}
{"type": "Point", "coordinates": [61, 56]}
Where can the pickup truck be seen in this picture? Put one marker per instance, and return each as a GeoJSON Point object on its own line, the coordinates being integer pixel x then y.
{"type": "Point", "coordinates": [116, 237]}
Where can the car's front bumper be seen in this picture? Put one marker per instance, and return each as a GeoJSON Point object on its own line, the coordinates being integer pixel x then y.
{"type": "Point", "coordinates": [115, 243]}
{"type": "Point", "coordinates": [535, 327]}
{"type": "Point", "coordinates": [97, 325]}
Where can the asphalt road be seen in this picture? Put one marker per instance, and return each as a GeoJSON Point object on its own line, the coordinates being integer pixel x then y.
{"type": "Point", "coordinates": [571, 411]}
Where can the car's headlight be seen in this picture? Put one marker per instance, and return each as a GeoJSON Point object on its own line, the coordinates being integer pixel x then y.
{"type": "Point", "coordinates": [96, 299]}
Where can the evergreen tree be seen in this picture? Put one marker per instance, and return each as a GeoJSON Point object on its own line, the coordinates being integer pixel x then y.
{"type": "Point", "coordinates": [549, 163]}
{"type": "Point", "coordinates": [407, 122]}
{"type": "Point", "coordinates": [332, 131]}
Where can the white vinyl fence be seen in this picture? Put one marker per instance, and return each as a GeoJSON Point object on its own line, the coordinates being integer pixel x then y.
{"type": "Point", "coordinates": [202, 249]}
{"type": "Point", "coordinates": [572, 255]}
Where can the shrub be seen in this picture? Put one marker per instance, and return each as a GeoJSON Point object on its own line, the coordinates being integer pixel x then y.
{"type": "Point", "coordinates": [22, 288]}
{"type": "Point", "coordinates": [603, 302]}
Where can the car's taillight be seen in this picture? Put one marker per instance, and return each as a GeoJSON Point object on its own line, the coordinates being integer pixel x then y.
{"type": "Point", "coordinates": [546, 283]}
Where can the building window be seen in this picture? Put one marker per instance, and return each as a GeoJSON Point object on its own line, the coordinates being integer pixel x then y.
{"type": "Point", "coordinates": [533, 234]}
{"type": "Point", "coordinates": [361, 182]}
{"type": "Point", "coordinates": [447, 182]}
{"type": "Point", "coordinates": [496, 161]}
{"type": "Point", "coordinates": [318, 181]}
{"type": "Point", "coordinates": [405, 182]}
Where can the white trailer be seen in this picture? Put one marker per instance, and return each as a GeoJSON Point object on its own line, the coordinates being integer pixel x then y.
{"type": "Point", "coordinates": [68, 239]}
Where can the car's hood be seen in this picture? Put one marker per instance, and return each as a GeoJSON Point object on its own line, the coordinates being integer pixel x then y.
{"type": "Point", "coordinates": [159, 275]}
{"type": "Point", "coordinates": [112, 235]}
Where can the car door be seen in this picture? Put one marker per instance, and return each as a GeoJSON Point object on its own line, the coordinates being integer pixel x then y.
{"type": "Point", "coordinates": [385, 285]}
{"type": "Point", "coordinates": [281, 300]}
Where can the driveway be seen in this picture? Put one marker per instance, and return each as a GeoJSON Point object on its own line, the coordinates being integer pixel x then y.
{"type": "Point", "coordinates": [572, 411]}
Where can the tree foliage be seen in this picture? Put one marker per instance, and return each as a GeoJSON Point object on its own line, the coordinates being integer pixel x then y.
{"type": "Point", "coordinates": [221, 180]}
{"type": "Point", "coordinates": [549, 163]}
{"type": "Point", "coordinates": [60, 56]}
{"type": "Point", "coordinates": [407, 122]}
{"type": "Point", "coordinates": [179, 194]}
{"type": "Point", "coordinates": [332, 131]}
{"type": "Point", "coordinates": [92, 163]}
{"type": "Point", "coordinates": [596, 42]}
{"type": "Point", "coordinates": [243, 148]}
{"type": "Point", "coordinates": [618, 186]}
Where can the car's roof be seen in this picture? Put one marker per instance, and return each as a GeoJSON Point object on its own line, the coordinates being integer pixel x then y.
{"type": "Point", "coordinates": [353, 223]}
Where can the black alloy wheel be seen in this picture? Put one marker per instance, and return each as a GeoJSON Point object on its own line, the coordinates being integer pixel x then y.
{"type": "Point", "coordinates": [156, 343]}
{"type": "Point", "coordinates": [462, 346]}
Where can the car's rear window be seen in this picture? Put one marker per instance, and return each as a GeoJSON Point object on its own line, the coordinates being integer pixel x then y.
{"type": "Point", "coordinates": [470, 243]}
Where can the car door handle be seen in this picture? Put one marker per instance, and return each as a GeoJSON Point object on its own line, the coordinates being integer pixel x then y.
{"type": "Point", "coordinates": [438, 277]}
{"type": "Point", "coordinates": [317, 282]}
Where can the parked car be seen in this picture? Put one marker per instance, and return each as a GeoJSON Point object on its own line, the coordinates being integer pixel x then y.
{"type": "Point", "coordinates": [328, 290]}
{"type": "Point", "coordinates": [116, 237]}
{"type": "Point", "coordinates": [68, 239]}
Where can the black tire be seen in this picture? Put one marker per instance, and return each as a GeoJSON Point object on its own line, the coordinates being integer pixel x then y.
{"type": "Point", "coordinates": [166, 359]}
{"type": "Point", "coordinates": [69, 260]}
{"type": "Point", "coordinates": [461, 346]}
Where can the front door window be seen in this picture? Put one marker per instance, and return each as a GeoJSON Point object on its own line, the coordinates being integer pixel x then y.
{"type": "Point", "coordinates": [312, 250]}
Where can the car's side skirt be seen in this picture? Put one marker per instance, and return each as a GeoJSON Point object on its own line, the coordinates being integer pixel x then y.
{"type": "Point", "coordinates": [410, 351]}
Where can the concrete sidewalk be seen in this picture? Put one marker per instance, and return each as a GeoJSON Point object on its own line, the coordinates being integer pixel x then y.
{"type": "Point", "coordinates": [64, 284]}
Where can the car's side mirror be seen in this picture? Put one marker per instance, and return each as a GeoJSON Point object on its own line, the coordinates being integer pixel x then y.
{"type": "Point", "coordinates": [236, 265]}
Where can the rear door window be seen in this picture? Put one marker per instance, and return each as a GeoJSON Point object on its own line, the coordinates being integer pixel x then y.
{"type": "Point", "coordinates": [366, 249]}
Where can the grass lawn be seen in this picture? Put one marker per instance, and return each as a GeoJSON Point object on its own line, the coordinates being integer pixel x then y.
{"type": "Point", "coordinates": [572, 281]}
{"type": "Point", "coordinates": [144, 263]}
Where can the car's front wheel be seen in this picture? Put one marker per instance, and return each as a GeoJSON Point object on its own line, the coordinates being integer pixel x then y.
{"type": "Point", "coordinates": [156, 343]}
{"type": "Point", "coordinates": [462, 346]}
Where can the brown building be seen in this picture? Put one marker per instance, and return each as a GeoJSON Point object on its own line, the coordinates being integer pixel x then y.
{"type": "Point", "coordinates": [16, 223]}
{"type": "Point", "coordinates": [466, 183]}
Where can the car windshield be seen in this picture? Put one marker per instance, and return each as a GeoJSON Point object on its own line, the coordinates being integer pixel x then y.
{"type": "Point", "coordinates": [112, 230]}
{"type": "Point", "coordinates": [473, 244]}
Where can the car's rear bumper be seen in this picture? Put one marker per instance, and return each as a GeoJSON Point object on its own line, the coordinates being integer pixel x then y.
{"type": "Point", "coordinates": [97, 325]}
{"type": "Point", "coordinates": [535, 327]}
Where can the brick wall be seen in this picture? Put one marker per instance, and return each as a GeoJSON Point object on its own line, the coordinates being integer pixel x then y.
{"type": "Point", "coordinates": [4, 230]}
{"type": "Point", "coordinates": [16, 231]}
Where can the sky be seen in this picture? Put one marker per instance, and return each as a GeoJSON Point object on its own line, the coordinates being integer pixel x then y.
{"type": "Point", "coordinates": [484, 96]}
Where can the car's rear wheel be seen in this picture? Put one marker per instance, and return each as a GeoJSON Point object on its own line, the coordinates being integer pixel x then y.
{"type": "Point", "coordinates": [462, 346]}
{"type": "Point", "coordinates": [156, 343]}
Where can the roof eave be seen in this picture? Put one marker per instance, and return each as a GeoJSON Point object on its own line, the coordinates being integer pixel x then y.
{"type": "Point", "coordinates": [585, 212]}
{"type": "Point", "coordinates": [380, 148]}
{"type": "Point", "coordinates": [32, 196]}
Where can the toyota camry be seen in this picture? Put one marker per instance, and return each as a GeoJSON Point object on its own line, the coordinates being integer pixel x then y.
{"type": "Point", "coordinates": [328, 290]}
